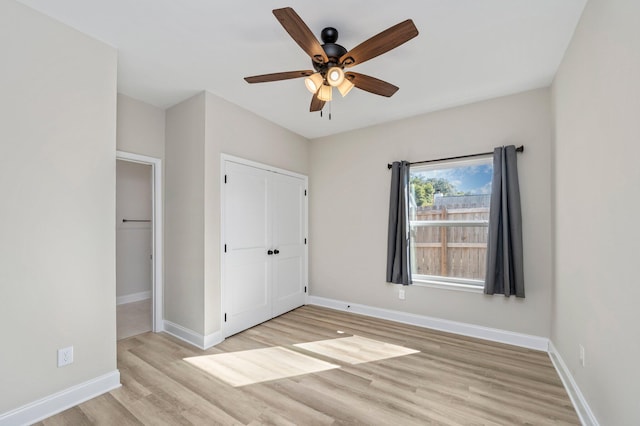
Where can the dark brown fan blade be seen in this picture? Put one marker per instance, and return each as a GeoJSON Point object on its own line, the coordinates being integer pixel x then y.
{"type": "Point", "coordinates": [371, 84]}
{"type": "Point", "coordinates": [381, 43]}
{"type": "Point", "coordinates": [301, 33]}
{"type": "Point", "coordinates": [316, 104]}
{"type": "Point", "coordinates": [276, 76]}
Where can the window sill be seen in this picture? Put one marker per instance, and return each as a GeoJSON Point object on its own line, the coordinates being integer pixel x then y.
{"type": "Point", "coordinates": [448, 286]}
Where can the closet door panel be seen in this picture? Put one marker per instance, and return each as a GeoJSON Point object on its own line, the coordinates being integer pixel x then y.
{"type": "Point", "coordinates": [288, 237]}
{"type": "Point", "coordinates": [248, 270]}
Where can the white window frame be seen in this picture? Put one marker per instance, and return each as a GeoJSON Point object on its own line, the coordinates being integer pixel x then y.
{"type": "Point", "coordinates": [437, 281]}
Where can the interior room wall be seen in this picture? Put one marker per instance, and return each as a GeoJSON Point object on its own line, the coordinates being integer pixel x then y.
{"type": "Point", "coordinates": [596, 97]}
{"type": "Point", "coordinates": [133, 239]}
{"type": "Point", "coordinates": [184, 214]}
{"type": "Point", "coordinates": [198, 130]}
{"type": "Point", "coordinates": [57, 180]}
{"type": "Point", "coordinates": [349, 204]}
{"type": "Point", "coordinates": [140, 127]}
{"type": "Point", "coordinates": [235, 131]}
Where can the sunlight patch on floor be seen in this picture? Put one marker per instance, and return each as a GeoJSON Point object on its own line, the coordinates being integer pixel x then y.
{"type": "Point", "coordinates": [356, 349]}
{"type": "Point", "coordinates": [258, 365]}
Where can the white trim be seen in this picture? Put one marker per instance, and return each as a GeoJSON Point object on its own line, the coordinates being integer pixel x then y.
{"type": "Point", "coordinates": [158, 236]}
{"type": "Point", "coordinates": [448, 283]}
{"type": "Point", "coordinates": [223, 293]}
{"type": "Point", "coordinates": [210, 340]}
{"type": "Point", "coordinates": [184, 334]}
{"type": "Point", "coordinates": [133, 297]}
{"type": "Point", "coordinates": [486, 333]}
{"type": "Point", "coordinates": [53, 404]}
{"type": "Point", "coordinates": [190, 336]}
{"type": "Point", "coordinates": [448, 286]}
{"type": "Point", "coordinates": [223, 219]}
{"type": "Point", "coordinates": [306, 236]}
{"type": "Point", "coordinates": [580, 404]}
{"type": "Point", "coordinates": [262, 166]}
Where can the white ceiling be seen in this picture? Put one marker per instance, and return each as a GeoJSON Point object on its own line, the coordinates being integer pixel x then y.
{"type": "Point", "coordinates": [467, 50]}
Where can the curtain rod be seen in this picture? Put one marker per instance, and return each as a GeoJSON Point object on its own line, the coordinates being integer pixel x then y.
{"type": "Point", "coordinates": [460, 157]}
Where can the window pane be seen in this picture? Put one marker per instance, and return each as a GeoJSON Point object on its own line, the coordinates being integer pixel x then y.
{"type": "Point", "coordinates": [449, 217]}
{"type": "Point", "coordinates": [463, 254]}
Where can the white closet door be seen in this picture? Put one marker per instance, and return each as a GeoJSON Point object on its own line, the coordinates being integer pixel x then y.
{"type": "Point", "coordinates": [289, 266]}
{"type": "Point", "coordinates": [247, 268]}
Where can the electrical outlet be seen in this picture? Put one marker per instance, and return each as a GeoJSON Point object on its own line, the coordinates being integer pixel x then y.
{"type": "Point", "coordinates": [65, 356]}
{"type": "Point", "coordinates": [401, 294]}
{"type": "Point", "coordinates": [582, 358]}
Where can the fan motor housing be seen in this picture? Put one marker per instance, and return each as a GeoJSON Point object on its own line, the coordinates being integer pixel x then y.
{"type": "Point", "coordinates": [334, 51]}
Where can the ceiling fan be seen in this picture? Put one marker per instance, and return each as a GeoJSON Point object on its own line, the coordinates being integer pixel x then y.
{"type": "Point", "coordinates": [330, 59]}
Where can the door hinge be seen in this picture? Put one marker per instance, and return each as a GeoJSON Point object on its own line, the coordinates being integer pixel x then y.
{"type": "Point", "coordinates": [225, 317]}
{"type": "Point", "coordinates": [305, 192]}
{"type": "Point", "coordinates": [225, 178]}
{"type": "Point", "coordinates": [305, 241]}
{"type": "Point", "coordinates": [225, 248]}
{"type": "Point", "coordinates": [305, 288]}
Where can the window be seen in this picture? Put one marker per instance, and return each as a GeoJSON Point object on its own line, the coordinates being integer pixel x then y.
{"type": "Point", "coordinates": [449, 220]}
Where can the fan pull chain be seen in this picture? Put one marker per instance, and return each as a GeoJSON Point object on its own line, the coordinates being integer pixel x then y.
{"type": "Point", "coordinates": [322, 111]}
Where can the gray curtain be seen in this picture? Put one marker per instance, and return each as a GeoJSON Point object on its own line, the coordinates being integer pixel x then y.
{"type": "Point", "coordinates": [504, 247]}
{"type": "Point", "coordinates": [398, 258]}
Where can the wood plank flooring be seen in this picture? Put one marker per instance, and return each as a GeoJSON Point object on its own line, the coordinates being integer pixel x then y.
{"type": "Point", "coordinates": [452, 380]}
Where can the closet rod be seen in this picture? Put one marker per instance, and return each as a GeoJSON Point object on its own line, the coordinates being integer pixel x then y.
{"type": "Point", "coordinates": [460, 157]}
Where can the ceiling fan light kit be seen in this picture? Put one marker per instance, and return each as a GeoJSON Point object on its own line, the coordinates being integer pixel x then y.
{"type": "Point", "coordinates": [345, 87]}
{"type": "Point", "coordinates": [335, 76]}
{"type": "Point", "coordinates": [329, 59]}
{"type": "Point", "coordinates": [314, 82]}
{"type": "Point", "coordinates": [325, 93]}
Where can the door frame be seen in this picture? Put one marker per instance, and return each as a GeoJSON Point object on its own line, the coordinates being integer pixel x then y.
{"type": "Point", "coordinates": [230, 158]}
{"type": "Point", "coordinates": [157, 286]}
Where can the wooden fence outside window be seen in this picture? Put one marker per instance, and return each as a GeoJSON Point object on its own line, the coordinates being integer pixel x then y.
{"type": "Point", "coordinates": [450, 251]}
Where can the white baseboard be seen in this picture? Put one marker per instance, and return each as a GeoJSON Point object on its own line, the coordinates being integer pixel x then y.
{"type": "Point", "coordinates": [134, 297]}
{"type": "Point", "coordinates": [60, 401]}
{"type": "Point", "coordinates": [471, 330]}
{"type": "Point", "coordinates": [190, 336]}
{"type": "Point", "coordinates": [210, 340]}
{"type": "Point", "coordinates": [579, 402]}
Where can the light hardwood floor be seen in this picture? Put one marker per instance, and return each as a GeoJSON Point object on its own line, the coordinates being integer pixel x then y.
{"type": "Point", "coordinates": [382, 373]}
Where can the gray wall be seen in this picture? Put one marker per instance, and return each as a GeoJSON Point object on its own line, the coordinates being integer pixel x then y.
{"type": "Point", "coordinates": [198, 130]}
{"type": "Point", "coordinates": [140, 130]}
{"type": "Point", "coordinates": [57, 180]}
{"type": "Point", "coordinates": [140, 127]}
{"type": "Point", "coordinates": [349, 197]}
{"type": "Point", "coordinates": [596, 96]}
{"type": "Point", "coordinates": [236, 131]}
{"type": "Point", "coordinates": [184, 214]}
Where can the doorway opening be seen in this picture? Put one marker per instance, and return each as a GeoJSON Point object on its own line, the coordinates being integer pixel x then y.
{"type": "Point", "coordinates": [139, 251]}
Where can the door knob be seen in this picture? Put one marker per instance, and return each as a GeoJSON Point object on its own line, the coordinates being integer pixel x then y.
{"type": "Point", "coordinates": [276, 251]}
{"type": "Point", "coordinates": [270, 252]}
